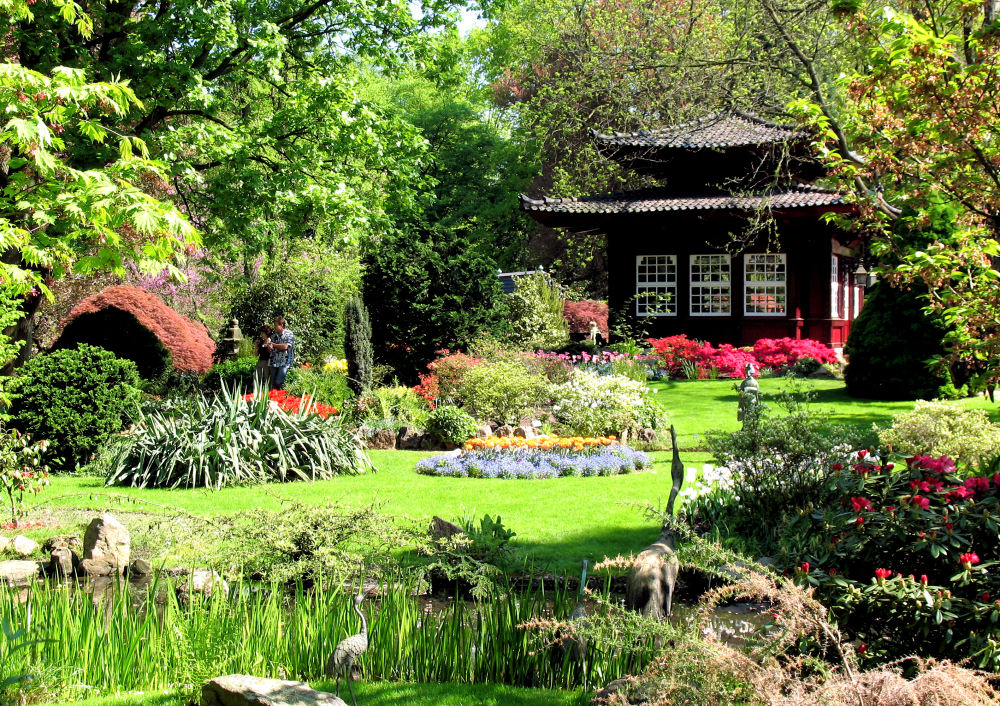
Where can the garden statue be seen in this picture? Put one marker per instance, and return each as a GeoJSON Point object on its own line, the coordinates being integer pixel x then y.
{"type": "Point", "coordinates": [349, 649]}
{"type": "Point", "coordinates": [230, 345]}
{"type": "Point", "coordinates": [594, 331]}
{"type": "Point", "coordinates": [650, 585]}
{"type": "Point", "coordinates": [749, 391]}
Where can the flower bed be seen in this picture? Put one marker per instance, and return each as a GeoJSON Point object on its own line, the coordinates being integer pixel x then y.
{"type": "Point", "coordinates": [543, 457]}
{"type": "Point", "coordinates": [280, 399]}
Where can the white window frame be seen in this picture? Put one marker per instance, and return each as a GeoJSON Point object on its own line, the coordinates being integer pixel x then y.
{"type": "Point", "coordinates": [660, 282]}
{"type": "Point", "coordinates": [836, 300]}
{"type": "Point", "coordinates": [750, 285]}
{"type": "Point", "coordinates": [725, 286]}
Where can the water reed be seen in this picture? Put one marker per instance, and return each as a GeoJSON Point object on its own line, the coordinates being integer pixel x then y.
{"type": "Point", "coordinates": [127, 641]}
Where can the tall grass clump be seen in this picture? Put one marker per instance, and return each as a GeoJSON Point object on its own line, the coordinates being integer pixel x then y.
{"type": "Point", "coordinates": [222, 440]}
{"type": "Point", "coordinates": [120, 644]}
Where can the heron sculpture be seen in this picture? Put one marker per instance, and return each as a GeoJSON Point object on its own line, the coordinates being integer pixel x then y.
{"type": "Point", "coordinates": [349, 649]}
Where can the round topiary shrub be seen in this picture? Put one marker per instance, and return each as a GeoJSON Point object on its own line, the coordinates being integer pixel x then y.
{"type": "Point", "coordinates": [451, 425]}
{"type": "Point", "coordinates": [74, 398]}
{"type": "Point", "coordinates": [889, 346]}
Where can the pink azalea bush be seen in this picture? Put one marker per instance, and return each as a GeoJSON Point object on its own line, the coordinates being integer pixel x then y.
{"type": "Point", "coordinates": [728, 361]}
{"type": "Point", "coordinates": [785, 352]}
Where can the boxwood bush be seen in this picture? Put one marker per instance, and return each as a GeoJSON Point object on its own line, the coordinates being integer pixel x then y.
{"type": "Point", "coordinates": [76, 399]}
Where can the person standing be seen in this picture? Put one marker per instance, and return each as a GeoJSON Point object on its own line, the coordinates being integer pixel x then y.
{"type": "Point", "coordinates": [262, 375]}
{"type": "Point", "coordinates": [282, 347]}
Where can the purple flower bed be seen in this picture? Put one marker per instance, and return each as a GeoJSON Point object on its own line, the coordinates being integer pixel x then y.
{"type": "Point", "coordinates": [536, 463]}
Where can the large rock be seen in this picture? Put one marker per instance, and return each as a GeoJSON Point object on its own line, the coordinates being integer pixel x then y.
{"type": "Point", "coordinates": [408, 438]}
{"type": "Point", "coordinates": [19, 572]}
{"type": "Point", "coordinates": [25, 546]}
{"type": "Point", "coordinates": [505, 430]}
{"type": "Point", "coordinates": [382, 439]}
{"type": "Point", "coordinates": [243, 690]}
{"type": "Point", "coordinates": [525, 432]}
{"type": "Point", "coordinates": [64, 562]}
{"type": "Point", "coordinates": [62, 541]}
{"type": "Point", "coordinates": [441, 529]}
{"type": "Point", "coordinates": [203, 581]}
{"type": "Point", "coordinates": [98, 567]}
{"type": "Point", "coordinates": [107, 540]}
{"type": "Point", "coordinates": [484, 432]}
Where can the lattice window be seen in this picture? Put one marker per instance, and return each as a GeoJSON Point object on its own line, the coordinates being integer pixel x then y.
{"type": "Point", "coordinates": [656, 285]}
{"type": "Point", "coordinates": [764, 285]}
{"type": "Point", "coordinates": [710, 285]}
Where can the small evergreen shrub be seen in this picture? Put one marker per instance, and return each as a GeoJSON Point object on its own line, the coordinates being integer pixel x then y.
{"type": "Point", "coordinates": [236, 374]}
{"type": "Point", "coordinates": [451, 425]}
{"type": "Point", "coordinates": [76, 399]}
{"type": "Point", "coordinates": [501, 391]}
{"type": "Point", "coordinates": [891, 345]}
{"type": "Point", "coordinates": [358, 345]}
{"type": "Point", "coordinates": [942, 429]}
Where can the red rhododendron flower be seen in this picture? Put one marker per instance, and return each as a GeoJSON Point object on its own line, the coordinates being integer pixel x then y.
{"type": "Point", "coordinates": [860, 504]}
{"type": "Point", "coordinates": [968, 559]}
{"type": "Point", "coordinates": [883, 573]}
{"type": "Point", "coordinates": [922, 503]}
{"type": "Point", "coordinates": [923, 579]}
{"type": "Point", "coordinates": [985, 597]}
{"type": "Point", "coordinates": [860, 521]}
{"type": "Point", "coordinates": [805, 567]}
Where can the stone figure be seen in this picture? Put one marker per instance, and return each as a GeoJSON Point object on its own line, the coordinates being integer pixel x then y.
{"type": "Point", "coordinates": [749, 395]}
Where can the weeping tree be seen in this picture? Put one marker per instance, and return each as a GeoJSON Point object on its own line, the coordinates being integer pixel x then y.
{"type": "Point", "coordinates": [358, 345]}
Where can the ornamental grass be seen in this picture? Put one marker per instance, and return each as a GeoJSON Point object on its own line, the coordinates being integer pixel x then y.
{"type": "Point", "coordinates": [541, 457]}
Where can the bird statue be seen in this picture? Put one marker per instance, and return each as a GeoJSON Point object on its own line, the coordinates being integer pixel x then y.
{"type": "Point", "coordinates": [349, 649]}
{"type": "Point", "coordinates": [578, 643]}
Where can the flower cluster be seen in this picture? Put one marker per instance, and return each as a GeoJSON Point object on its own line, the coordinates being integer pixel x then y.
{"type": "Point", "coordinates": [683, 356]}
{"type": "Point", "coordinates": [546, 441]}
{"type": "Point", "coordinates": [536, 463]}
{"type": "Point", "coordinates": [427, 388]}
{"type": "Point", "coordinates": [21, 468]}
{"type": "Point", "coordinates": [280, 399]}
{"type": "Point", "coordinates": [590, 404]}
{"type": "Point", "coordinates": [781, 353]}
{"type": "Point", "coordinates": [335, 364]}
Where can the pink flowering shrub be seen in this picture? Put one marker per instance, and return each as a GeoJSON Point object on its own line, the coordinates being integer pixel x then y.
{"type": "Point", "coordinates": [729, 361]}
{"type": "Point", "coordinates": [579, 315]}
{"type": "Point", "coordinates": [780, 353]}
{"type": "Point", "coordinates": [675, 351]}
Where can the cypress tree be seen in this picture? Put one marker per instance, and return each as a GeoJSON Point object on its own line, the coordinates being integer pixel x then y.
{"type": "Point", "coordinates": [358, 345]}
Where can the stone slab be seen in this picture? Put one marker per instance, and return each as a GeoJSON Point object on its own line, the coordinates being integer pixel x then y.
{"type": "Point", "coordinates": [244, 690]}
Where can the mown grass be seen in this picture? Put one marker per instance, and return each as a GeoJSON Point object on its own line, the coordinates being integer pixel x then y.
{"type": "Point", "coordinates": [558, 521]}
{"type": "Point", "coordinates": [385, 694]}
{"type": "Point", "coordinates": [695, 406]}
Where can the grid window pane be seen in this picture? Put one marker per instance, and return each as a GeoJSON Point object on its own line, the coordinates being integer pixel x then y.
{"type": "Point", "coordinates": [656, 285]}
{"type": "Point", "coordinates": [710, 285]}
{"type": "Point", "coordinates": [765, 279]}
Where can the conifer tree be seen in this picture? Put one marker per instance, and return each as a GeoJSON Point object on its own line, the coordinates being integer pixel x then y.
{"type": "Point", "coordinates": [358, 345]}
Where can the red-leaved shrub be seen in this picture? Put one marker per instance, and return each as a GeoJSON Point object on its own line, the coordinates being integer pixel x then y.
{"type": "Point", "coordinates": [450, 368]}
{"type": "Point", "coordinates": [579, 315]}
{"type": "Point", "coordinates": [94, 320]}
{"type": "Point", "coordinates": [784, 352]}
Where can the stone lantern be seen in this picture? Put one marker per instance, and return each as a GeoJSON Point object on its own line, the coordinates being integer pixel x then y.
{"type": "Point", "coordinates": [230, 345]}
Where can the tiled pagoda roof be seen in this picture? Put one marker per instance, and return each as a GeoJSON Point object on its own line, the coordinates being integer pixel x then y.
{"type": "Point", "coordinates": [662, 200]}
{"type": "Point", "coordinates": [724, 130]}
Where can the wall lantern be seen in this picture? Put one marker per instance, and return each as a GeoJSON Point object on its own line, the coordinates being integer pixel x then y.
{"type": "Point", "coordinates": [862, 277]}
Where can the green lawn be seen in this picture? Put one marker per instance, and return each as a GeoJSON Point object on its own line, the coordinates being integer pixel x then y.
{"type": "Point", "coordinates": [558, 522]}
{"type": "Point", "coordinates": [696, 406]}
{"type": "Point", "coordinates": [389, 694]}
